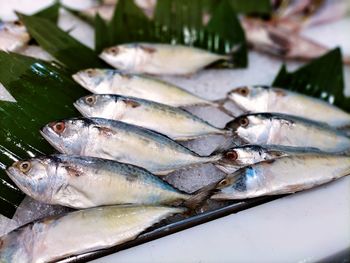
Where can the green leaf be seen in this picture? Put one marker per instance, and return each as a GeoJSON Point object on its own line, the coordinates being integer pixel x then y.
{"type": "Point", "coordinates": [234, 33]}
{"type": "Point", "coordinates": [50, 13]}
{"type": "Point", "coordinates": [60, 44]}
{"type": "Point", "coordinates": [322, 78]}
{"type": "Point", "coordinates": [44, 92]}
{"type": "Point", "coordinates": [177, 22]}
{"type": "Point", "coordinates": [251, 6]}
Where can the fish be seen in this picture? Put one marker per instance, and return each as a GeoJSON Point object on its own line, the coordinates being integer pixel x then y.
{"type": "Point", "coordinates": [274, 40]}
{"type": "Point", "coordinates": [282, 129]}
{"type": "Point", "coordinates": [241, 156]}
{"type": "Point", "coordinates": [105, 11]}
{"type": "Point", "coordinates": [255, 99]}
{"type": "Point", "coordinates": [36, 52]}
{"type": "Point", "coordinates": [174, 122]}
{"type": "Point", "coordinates": [109, 81]}
{"type": "Point", "coordinates": [54, 238]}
{"type": "Point", "coordinates": [159, 59]}
{"type": "Point", "coordinates": [84, 182]}
{"type": "Point", "coordinates": [284, 175]}
{"type": "Point", "coordinates": [13, 36]}
{"type": "Point", "coordinates": [119, 141]}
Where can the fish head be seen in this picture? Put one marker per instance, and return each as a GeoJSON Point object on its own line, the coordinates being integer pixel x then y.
{"type": "Point", "coordinates": [35, 177]}
{"type": "Point", "coordinates": [251, 128]}
{"type": "Point", "coordinates": [122, 56]}
{"type": "Point", "coordinates": [244, 183]}
{"type": "Point", "coordinates": [95, 80]}
{"type": "Point", "coordinates": [99, 105]}
{"type": "Point", "coordinates": [241, 156]}
{"type": "Point", "coordinates": [13, 35]}
{"type": "Point", "coordinates": [250, 98]}
{"type": "Point", "coordinates": [246, 155]}
{"type": "Point", "coordinates": [67, 136]}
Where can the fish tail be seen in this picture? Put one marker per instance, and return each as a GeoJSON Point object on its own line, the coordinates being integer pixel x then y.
{"type": "Point", "coordinates": [200, 196]}
{"type": "Point", "coordinates": [346, 60]}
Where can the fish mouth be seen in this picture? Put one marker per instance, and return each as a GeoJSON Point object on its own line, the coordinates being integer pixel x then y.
{"type": "Point", "coordinates": [80, 80]}
{"type": "Point", "coordinates": [49, 140]}
{"type": "Point", "coordinates": [80, 109]}
{"type": "Point", "coordinates": [12, 172]}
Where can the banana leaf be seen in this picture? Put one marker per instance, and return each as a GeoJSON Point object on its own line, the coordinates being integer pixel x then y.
{"type": "Point", "coordinates": [60, 44]}
{"type": "Point", "coordinates": [321, 78]}
{"type": "Point", "coordinates": [44, 92]}
{"type": "Point", "coordinates": [50, 13]}
{"type": "Point", "coordinates": [178, 22]}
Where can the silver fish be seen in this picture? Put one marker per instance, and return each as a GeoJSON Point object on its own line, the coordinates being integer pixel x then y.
{"type": "Point", "coordinates": [284, 175]}
{"type": "Point", "coordinates": [84, 182]}
{"type": "Point", "coordinates": [13, 36]}
{"type": "Point", "coordinates": [241, 156]}
{"type": "Point", "coordinates": [54, 238]}
{"type": "Point", "coordinates": [254, 99]}
{"type": "Point", "coordinates": [105, 11]}
{"type": "Point", "coordinates": [281, 129]}
{"type": "Point", "coordinates": [272, 39]}
{"type": "Point", "coordinates": [108, 81]}
{"type": "Point", "coordinates": [174, 122]}
{"type": "Point", "coordinates": [159, 59]}
{"type": "Point", "coordinates": [122, 142]}
{"type": "Point", "coordinates": [36, 52]}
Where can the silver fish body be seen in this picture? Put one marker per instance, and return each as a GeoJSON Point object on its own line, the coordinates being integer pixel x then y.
{"type": "Point", "coordinates": [159, 59]}
{"type": "Point", "coordinates": [241, 156]}
{"type": "Point", "coordinates": [281, 129]}
{"type": "Point", "coordinates": [108, 81]}
{"type": "Point", "coordinates": [55, 238]}
{"type": "Point", "coordinates": [174, 122]}
{"type": "Point", "coordinates": [284, 175]}
{"type": "Point", "coordinates": [276, 40]}
{"type": "Point", "coordinates": [13, 36]}
{"type": "Point", "coordinates": [36, 52]}
{"type": "Point", "coordinates": [121, 142]}
{"type": "Point", "coordinates": [84, 182]}
{"type": "Point", "coordinates": [254, 99]}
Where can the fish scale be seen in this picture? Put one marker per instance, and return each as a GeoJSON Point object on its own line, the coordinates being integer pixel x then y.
{"type": "Point", "coordinates": [72, 181]}
{"type": "Point", "coordinates": [122, 142]}
{"type": "Point", "coordinates": [288, 174]}
{"type": "Point", "coordinates": [176, 123]}
{"type": "Point", "coordinates": [89, 230]}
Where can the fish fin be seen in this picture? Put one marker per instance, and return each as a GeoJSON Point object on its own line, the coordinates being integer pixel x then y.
{"type": "Point", "coordinates": [148, 49]}
{"type": "Point", "coordinates": [200, 196]}
{"type": "Point", "coordinates": [105, 131]}
{"type": "Point", "coordinates": [131, 103]}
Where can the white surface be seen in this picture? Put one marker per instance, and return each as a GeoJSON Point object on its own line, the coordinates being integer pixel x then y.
{"type": "Point", "coordinates": [304, 227]}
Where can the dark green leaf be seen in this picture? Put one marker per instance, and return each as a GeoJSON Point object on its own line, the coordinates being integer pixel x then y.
{"type": "Point", "coordinates": [252, 6]}
{"type": "Point", "coordinates": [322, 78]}
{"type": "Point", "coordinates": [44, 92]}
{"type": "Point", "coordinates": [60, 44]}
{"type": "Point", "coordinates": [50, 13]}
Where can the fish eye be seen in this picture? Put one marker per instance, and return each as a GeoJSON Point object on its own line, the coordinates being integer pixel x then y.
{"type": "Point", "coordinates": [18, 23]}
{"type": "Point", "coordinates": [24, 167]}
{"type": "Point", "coordinates": [113, 50]}
{"type": "Point", "coordinates": [243, 122]}
{"type": "Point", "coordinates": [223, 182]}
{"type": "Point", "coordinates": [244, 91]}
{"type": "Point", "coordinates": [58, 127]}
{"type": "Point", "coordinates": [90, 100]}
{"type": "Point", "coordinates": [90, 73]}
{"type": "Point", "coordinates": [231, 155]}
